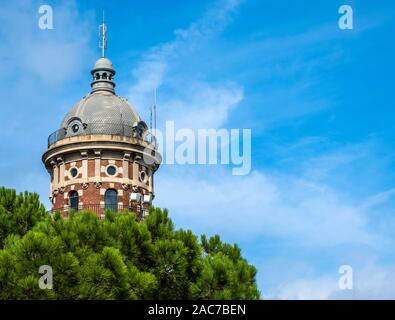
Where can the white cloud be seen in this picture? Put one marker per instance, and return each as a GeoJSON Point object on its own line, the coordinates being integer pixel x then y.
{"type": "Point", "coordinates": [379, 198]}
{"type": "Point", "coordinates": [36, 66]}
{"type": "Point", "coordinates": [281, 206]}
{"type": "Point", "coordinates": [369, 282]}
{"type": "Point", "coordinates": [203, 106]}
{"type": "Point", "coordinates": [53, 56]}
{"type": "Point", "coordinates": [194, 104]}
{"type": "Point", "coordinates": [305, 210]}
{"type": "Point", "coordinates": [304, 289]}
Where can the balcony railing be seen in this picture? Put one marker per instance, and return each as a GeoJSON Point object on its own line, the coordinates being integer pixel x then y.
{"type": "Point", "coordinates": [105, 128]}
{"type": "Point", "coordinates": [98, 209]}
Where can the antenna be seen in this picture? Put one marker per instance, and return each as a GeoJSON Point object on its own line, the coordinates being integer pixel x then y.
{"type": "Point", "coordinates": [150, 122]}
{"type": "Point", "coordinates": [155, 108]}
{"type": "Point", "coordinates": [153, 119]}
{"type": "Point", "coordinates": [103, 37]}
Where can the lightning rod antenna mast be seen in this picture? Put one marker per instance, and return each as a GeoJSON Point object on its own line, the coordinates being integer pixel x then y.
{"type": "Point", "coordinates": [103, 37]}
{"type": "Point", "coordinates": [155, 108]}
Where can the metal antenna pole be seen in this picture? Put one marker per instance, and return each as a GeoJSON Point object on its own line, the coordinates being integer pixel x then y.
{"type": "Point", "coordinates": [155, 108]}
{"type": "Point", "coordinates": [103, 37]}
{"type": "Point", "coordinates": [150, 122]}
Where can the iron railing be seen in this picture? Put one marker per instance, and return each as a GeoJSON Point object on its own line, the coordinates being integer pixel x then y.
{"type": "Point", "coordinates": [98, 209]}
{"type": "Point", "coordinates": [117, 129]}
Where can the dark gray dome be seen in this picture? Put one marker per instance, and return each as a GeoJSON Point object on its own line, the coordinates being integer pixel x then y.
{"type": "Point", "coordinates": [102, 107]}
{"type": "Point", "coordinates": [102, 111]}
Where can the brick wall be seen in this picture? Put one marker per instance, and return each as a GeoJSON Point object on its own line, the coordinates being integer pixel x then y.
{"type": "Point", "coordinates": [89, 192]}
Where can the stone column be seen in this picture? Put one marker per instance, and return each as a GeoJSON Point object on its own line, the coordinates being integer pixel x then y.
{"type": "Point", "coordinates": [125, 168]}
{"type": "Point", "coordinates": [150, 180]}
{"type": "Point", "coordinates": [55, 174]}
{"type": "Point", "coordinates": [60, 162]}
{"type": "Point", "coordinates": [97, 166]}
{"type": "Point", "coordinates": [135, 170]}
{"type": "Point", "coordinates": [84, 156]}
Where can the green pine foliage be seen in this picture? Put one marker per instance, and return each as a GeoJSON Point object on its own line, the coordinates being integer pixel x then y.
{"type": "Point", "coordinates": [113, 258]}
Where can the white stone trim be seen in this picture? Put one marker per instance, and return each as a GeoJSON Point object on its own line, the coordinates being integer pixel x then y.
{"type": "Point", "coordinates": [84, 166]}
{"type": "Point", "coordinates": [61, 174]}
{"type": "Point", "coordinates": [135, 171]}
{"type": "Point", "coordinates": [74, 179]}
{"type": "Point", "coordinates": [55, 177]}
{"type": "Point", "coordinates": [105, 168]}
{"type": "Point", "coordinates": [97, 165]}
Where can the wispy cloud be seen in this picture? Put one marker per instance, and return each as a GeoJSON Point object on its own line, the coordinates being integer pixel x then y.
{"type": "Point", "coordinates": [379, 198]}
{"type": "Point", "coordinates": [370, 281]}
{"type": "Point", "coordinates": [188, 101]}
{"type": "Point", "coordinates": [303, 206]}
{"type": "Point", "coordinates": [282, 206]}
{"type": "Point", "coordinates": [53, 56]}
{"type": "Point", "coordinates": [37, 65]}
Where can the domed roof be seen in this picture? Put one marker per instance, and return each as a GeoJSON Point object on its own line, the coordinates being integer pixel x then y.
{"type": "Point", "coordinates": [102, 111]}
{"type": "Point", "coordinates": [102, 107]}
{"type": "Point", "coordinates": [103, 63]}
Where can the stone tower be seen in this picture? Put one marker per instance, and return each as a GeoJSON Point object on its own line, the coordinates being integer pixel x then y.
{"type": "Point", "coordinates": [103, 155]}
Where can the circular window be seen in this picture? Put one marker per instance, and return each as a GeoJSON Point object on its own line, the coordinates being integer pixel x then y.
{"type": "Point", "coordinates": [111, 170]}
{"type": "Point", "coordinates": [73, 172]}
{"type": "Point", "coordinates": [143, 176]}
{"type": "Point", "coordinates": [75, 128]}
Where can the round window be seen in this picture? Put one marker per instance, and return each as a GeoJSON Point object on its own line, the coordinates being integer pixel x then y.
{"type": "Point", "coordinates": [111, 170]}
{"type": "Point", "coordinates": [73, 172]}
{"type": "Point", "coordinates": [143, 176]}
{"type": "Point", "coordinates": [75, 128]}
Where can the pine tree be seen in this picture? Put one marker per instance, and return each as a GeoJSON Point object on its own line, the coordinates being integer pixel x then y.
{"type": "Point", "coordinates": [113, 258]}
{"type": "Point", "coordinates": [18, 213]}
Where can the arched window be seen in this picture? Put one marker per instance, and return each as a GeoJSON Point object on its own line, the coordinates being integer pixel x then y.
{"type": "Point", "coordinates": [73, 200]}
{"type": "Point", "coordinates": [111, 200]}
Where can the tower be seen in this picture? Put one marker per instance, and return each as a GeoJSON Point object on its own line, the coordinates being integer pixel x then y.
{"type": "Point", "coordinates": [102, 156]}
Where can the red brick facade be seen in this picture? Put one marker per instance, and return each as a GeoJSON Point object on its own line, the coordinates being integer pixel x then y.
{"type": "Point", "coordinates": [91, 188]}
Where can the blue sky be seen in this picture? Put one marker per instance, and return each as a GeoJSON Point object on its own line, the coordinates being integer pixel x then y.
{"type": "Point", "coordinates": [319, 102]}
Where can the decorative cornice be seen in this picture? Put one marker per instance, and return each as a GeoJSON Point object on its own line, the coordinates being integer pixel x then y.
{"type": "Point", "coordinates": [60, 160]}
{"type": "Point", "coordinates": [53, 163]}
{"type": "Point", "coordinates": [84, 154]}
